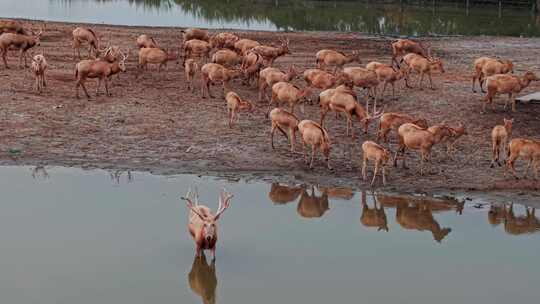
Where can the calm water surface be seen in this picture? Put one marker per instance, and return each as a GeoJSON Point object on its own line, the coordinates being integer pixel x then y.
{"type": "Point", "coordinates": [76, 236]}
{"type": "Point", "coordinates": [375, 17]}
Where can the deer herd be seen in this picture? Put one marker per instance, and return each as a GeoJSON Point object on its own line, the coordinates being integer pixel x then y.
{"type": "Point", "coordinates": [221, 58]}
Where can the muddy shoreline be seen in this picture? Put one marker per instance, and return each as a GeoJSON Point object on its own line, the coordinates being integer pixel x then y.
{"type": "Point", "coordinates": [153, 123]}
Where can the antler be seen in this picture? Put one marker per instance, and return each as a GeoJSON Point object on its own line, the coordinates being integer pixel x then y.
{"type": "Point", "coordinates": [224, 199]}
{"type": "Point", "coordinates": [190, 204]}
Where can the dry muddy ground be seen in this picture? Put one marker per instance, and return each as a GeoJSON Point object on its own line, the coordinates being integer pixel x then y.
{"type": "Point", "coordinates": [154, 123]}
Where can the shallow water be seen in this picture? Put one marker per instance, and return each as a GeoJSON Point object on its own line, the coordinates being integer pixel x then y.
{"type": "Point", "coordinates": [74, 236]}
{"type": "Point", "coordinates": [375, 17]}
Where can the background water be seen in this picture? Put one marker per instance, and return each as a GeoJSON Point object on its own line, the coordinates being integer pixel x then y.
{"type": "Point", "coordinates": [84, 237]}
{"type": "Point", "coordinates": [375, 17]}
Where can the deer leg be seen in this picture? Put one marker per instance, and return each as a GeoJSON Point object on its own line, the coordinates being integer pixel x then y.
{"type": "Point", "coordinates": [292, 138]}
{"type": "Point", "coordinates": [262, 87]}
{"type": "Point", "coordinates": [43, 79]}
{"type": "Point", "coordinates": [272, 136]}
{"type": "Point", "coordinates": [323, 115]}
{"type": "Point", "coordinates": [384, 175]}
{"type": "Point", "coordinates": [230, 114]}
{"type": "Point", "coordinates": [421, 80]}
{"type": "Point", "coordinates": [313, 152]}
{"type": "Point", "coordinates": [513, 101]}
{"type": "Point", "coordinates": [375, 171]}
{"type": "Point", "coordinates": [364, 167]}
{"type": "Point", "coordinates": [494, 154]}
{"type": "Point", "coordinates": [527, 168]}
{"type": "Point", "coordinates": [510, 165]}
{"type": "Point", "coordinates": [4, 53]}
{"type": "Point", "coordinates": [203, 86]}
{"type": "Point", "coordinates": [431, 82]}
{"type": "Point", "coordinates": [473, 82]}
{"type": "Point", "coordinates": [85, 91]}
{"type": "Point", "coordinates": [305, 151]}
{"type": "Point", "coordinates": [98, 86]}
{"type": "Point", "coordinates": [535, 169]}
{"type": "Point", "coordinates": [106, 80]}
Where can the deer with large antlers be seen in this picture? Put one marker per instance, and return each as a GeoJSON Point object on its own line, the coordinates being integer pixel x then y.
{"type": "Point", "coordinates": [203, 223]}
{"type": "Point", "coordinates": [98, 68]}
{"type": "Point", "coordinates": [506, 84]}
{"type": "Point", "coordinates": [406, 46]}
{"type": "Point", "coordinates": [343, 102]}
{"type": "Point", "coordinates": [486, 66]}
{"type": "Point", "coordinates": [325, 58]}
{"type": "Point", "coordinates": [270, 53]}
{"type": "Point", "coordinates": [18, 41]}
{"type": "Point", "coordinates": [499, 140]}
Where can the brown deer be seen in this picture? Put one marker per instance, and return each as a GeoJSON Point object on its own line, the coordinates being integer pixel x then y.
{"type": "Point", "coordinates": [375, 217]}
{"type": "Point", "coordinates": [195, 33]}
{"type": "Point", "coordinates": [317, 137]}
{"type": "Point", "coordinates": [242, 46]}
{"type": "Point", "coordinates": [191, 67]}
{"type": "Point", "coordinates": [325, 58]}
{"type": "Point", "coordinates": [226, 58]}
{"type": "Point", "coordinates": [414, 137]}
{"type": "Point", "coordinates": [284, 92]}
{"type": "Point", "coordinates": [379, 155]}
{"type": "Point", "coordinates": [203, 223]}
{"type": "Point", "coordinates": [282, 120]}
{"type": "Point", "coordinates": [388, 75]}
{"type": "Point", "coordinates": [284, 194]}
{"type": "Point", "coordinates": [82, 35]}
{"type": "Point", "coordinates": [223, 40]}
{"type": "Point", "coordinates": [344, 102]}
{"type": "Point", "coordinates": [39, 66]}
{"type": "Point", "coordinates": [393, 120]}
{"type": "Point", "coordinates": [203, 280]}
{"type": "Point", "coordinates": [485, 66]}
{"type": "Point", "coordinates": [252, 64]}
{"type": "Point", "coordinates": [421, 65]}
{"type": "Point", "coordinates": [319, 79]}
{"type": "Point", "coordinates": [18, 41]}
{"type": "Point", "coordinates": [235, 104]}
{"type": "Point", "coordinates": [455, 134]}
{"type": "Point", "coordinates": [311, 205]}
{"type": "Point", "coordinates": [13, 26]}
{"type": "Point", "coordinates": [518, 225]}
{"type": "Point", "coordinates": [214, 73]}
{"type": "Point", "coordinates": [506, 84]}
{"type": "Point", "coordinates": [528, 149]}
{"type": "Point", "coordinates": [364, 78]}
{"type": "Point", "coordinates": [97, 68]}
{"type": "Point", "coordinates": [196, 48]}
{"type": "Point", "coordinates": [270, 53]}
{"type": "Point", "coordinates": [145, 41]}
{"type": "Point", "coordinates": [499, 140]}
{"type": "Point", "coordinates": [153, 56]}
{"type": "Point", "coordinates": [420, 217]}
{"type": "Point", "coordinates": [270, 76]}
{"type": "Point", "coordinates": [406, 46]}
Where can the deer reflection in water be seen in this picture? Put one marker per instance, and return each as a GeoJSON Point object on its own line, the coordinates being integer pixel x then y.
{"type": "Point", "coordinates": [203, 280]}
{"type": "Point", "coordinates": [375, 217]}
{"type": "Point", "coordinates": [311, 205]}
{"type": "Point", "coordinates": [116, 175]}
{"type": "Point", "coordinates": [338, 192]}
{"type": "Point", "coordinates": [39, 172]}
{"type": "Point", "coordinates": [523, 224]}
{"type": "Point", "coordinates": [283, 194]}
{"type": "Point", "coordinates": [497, 214]}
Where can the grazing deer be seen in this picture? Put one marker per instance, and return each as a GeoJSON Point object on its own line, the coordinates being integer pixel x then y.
{"type": "Point", "coordinates": [97, 68]}
{"type": "Point", "coordinates": [392, 121]}
{"type": "Point", "coordinates": [373, 65]}
{"type": "Point", "coordinates": [414, 137]}
{"type": "Point", "coordinates": [283, 194]}
{"type": "Point", "coordinates": [203, 223]}
{"type": "Point", "coordinates": [528, 149]}
{"type": "Point", "coordinates": [145, 41]}
{"type": "Point", "coordinates": [406, 46]}
{"type": "Point", "coordinates": [191, 67]}
{"type": "Point", "coordinates": [423, 66]}
{"type": "Point", "coordinates": [195, 33]}
{"type": "Point", "coordinates": [82, 35]}
{"type": "Point", "coordinates": [388, 75]}
{"type": "Point", "coordinates": [499, 140]}
{"type": "Point", "coordinates": [196, 48]}
{"type": "Point", "coordinates": [317, 137]}
{"type": "Point", "coordinates": [375, 217]}
{"type": "Point", "coordinates": [235, 104]}
{"type": "Point", "coordinates": [285, 92]}
{"type": "Point", "coordinates": [270, 53]}
{"type": "Point", "coordinates": [364, 78]}
{"type": "Point", "coordinates": [343, 102]}
{"type": "Point", "coordinates": [270, 76]}
{"type": "Point", "coordinates": [213, 73]}
{"type": "Point", "coordinates": [252, 64]}
{"type": "Point", "coordinates": [325, 58]}
{"type": "Point", "coordinates": [420, 217]}
{"type": "Point", "coordinates": [226, 58]}
{"type": "Point", "coordinates": [485, 66]}
{"type": "Point", "coordinates": [525, 224]}
{"type": "Point", "coordinates": [18, 41]}
{"type": "Point", "coordinates": [223, 40]}
{"type": "Point", "coordinates": [39, 66]}
{"type": "Point", "coordinates": [203, 280]}
{"type": "Point", "coordinates": [242, 46]}
{"type": "Point", "coordinates": [311, 205]}
{"type": "Point", "coordinates": [506, 84]}
{"type": "Point", "coordinates": [379, 155]}
{"type": "Point", "coordinates": [282, 120]}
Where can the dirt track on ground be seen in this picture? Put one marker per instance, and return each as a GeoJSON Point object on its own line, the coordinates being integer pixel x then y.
{"type": "Point", "coordinates": [154, 123]}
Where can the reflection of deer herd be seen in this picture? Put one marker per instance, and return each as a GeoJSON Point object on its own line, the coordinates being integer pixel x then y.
{"type": "Point", "coordinates": [222, 57]}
